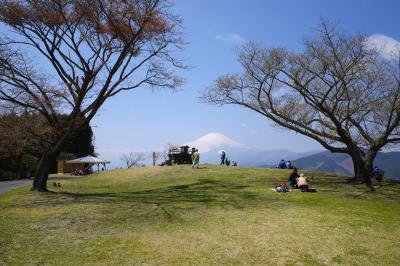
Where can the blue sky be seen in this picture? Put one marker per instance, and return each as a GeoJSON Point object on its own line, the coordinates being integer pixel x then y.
{"type": "Point", "coordinates": [143, 120]}
{"type": "Point", "coordinates": [146, 120]}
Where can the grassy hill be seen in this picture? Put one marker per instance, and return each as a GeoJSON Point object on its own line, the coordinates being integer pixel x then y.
{"type": "Point", "coordinates": [209, 216]}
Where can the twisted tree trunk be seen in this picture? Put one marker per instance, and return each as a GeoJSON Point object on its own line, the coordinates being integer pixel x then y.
{"type": "Point", "coordinates": [43, 168]}
{"type": "Point", "coordinates": [363, 167]}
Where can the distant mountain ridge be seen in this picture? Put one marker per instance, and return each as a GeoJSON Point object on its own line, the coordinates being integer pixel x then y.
{"type": "Point", "coordinates": [247, 157]}
{"type": "Point", "coordinates": [342, 163]}
{"type": "Point", "coordinates": [212, 143]}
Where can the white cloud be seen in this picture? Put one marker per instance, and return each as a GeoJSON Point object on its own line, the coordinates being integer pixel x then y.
{"type": "Point", "coordinates": [388, 47]}
{"type": "Point", "coordinates": [233, 38]}
{"type": "Point", "coordinates": [243, 125]}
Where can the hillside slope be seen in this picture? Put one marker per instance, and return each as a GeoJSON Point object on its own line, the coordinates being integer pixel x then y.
{"type": "Point", "coordinates": [325, 162]}
{"type": "Point", "coordinates": [209, 216]}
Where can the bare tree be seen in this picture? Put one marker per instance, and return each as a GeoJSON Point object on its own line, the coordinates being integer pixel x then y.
{"type": "Point", "coordinates": [336, 91]}
{"type": "Point", "coordinates": [165, 152]}
{"type": "Point", "coordinates": [69, 57]}
{"type": "Point", "coordinates": [133, 159]}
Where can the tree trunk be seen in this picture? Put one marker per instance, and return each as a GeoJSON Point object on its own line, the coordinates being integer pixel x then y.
{"type": "Point", "coordinates": [43, 168]}
{"type": "Point", "coordinates": [368, 168]}
{"type": "Point", "coordinates": [42, 173]}
{"type": "Point", "coordinates": [362, 169]}
{"type": "Point", "coordinates": [358, 165]}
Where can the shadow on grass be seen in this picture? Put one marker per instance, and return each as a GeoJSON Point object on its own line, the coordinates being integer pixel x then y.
{"type": "Point", "coordinates": [205, 191]}
{"type": "Point", "coordinates": [66, 177]}
{"type": "Point", "coordinates": [217, 192]}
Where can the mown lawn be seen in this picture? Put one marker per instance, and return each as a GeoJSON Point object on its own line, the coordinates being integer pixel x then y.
{"type": "Point", "coordinates": [210, 216]}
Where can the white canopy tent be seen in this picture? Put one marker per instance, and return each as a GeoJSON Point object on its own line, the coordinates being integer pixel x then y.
{"type": "Point", "coordinates": [90, 160]}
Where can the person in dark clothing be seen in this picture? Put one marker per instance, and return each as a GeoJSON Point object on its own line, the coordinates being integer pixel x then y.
{"type": "Point", "coordinates": [227, 161]}
{"type": "Point", "coordinates": [222, 158]}
{"type": "Point", "coordinates": [86, 169]}
{"type": "Point", "coordinates": [292, 181]}
{"type": "Point", "coordinates": [378, 174]}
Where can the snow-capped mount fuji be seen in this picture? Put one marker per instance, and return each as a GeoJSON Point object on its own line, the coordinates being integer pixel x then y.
{"type": "Point", "coordinates": [210, 144]}
{"type": "Point", "coordinates": [213, 141]}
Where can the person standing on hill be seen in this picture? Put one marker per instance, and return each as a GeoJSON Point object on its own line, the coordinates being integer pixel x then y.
{"type": "Point", "coordinates": [196, 159]}
{"type": "Point", "coordinates": [222, 158]}
{"type": "Point", "coordinates": [192, 154]}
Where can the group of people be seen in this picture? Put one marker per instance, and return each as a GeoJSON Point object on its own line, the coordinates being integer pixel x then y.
{"type": "Point", "coordinates": [86, 170]}
{"type": "Point", "coordinates": [299, 181]}
{"type": "Point", "coordinates": [285, 164]}
{"type": "Point", "coordinates": [295, 181]}
{"type": "Point", "coordinates": [226, 161]}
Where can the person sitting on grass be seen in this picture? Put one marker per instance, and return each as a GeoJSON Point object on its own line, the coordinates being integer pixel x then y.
{"type": "Point", "coordinates": [77, 172]}
{"type": "Point", "coordinates": [281, 164]}
{"type": "Point", "coordinates": [292, 181]}
{"type": "Point", "coordinates": [282, 187]}
{"type": "Point", "coordinates": [302, 183]}
{"type": "Point", "coordinates": [378, 174]}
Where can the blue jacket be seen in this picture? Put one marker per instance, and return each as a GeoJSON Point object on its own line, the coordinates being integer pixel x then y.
{"type": "Point", "coordinates": [282, 164]}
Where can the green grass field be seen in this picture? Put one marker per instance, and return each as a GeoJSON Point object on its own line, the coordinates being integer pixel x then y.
{"type": "Point", "coordinates": [208, 216]}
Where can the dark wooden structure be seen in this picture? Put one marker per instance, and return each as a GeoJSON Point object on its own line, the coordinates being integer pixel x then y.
{"type": "Point", "coordinates": [178, 155]}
